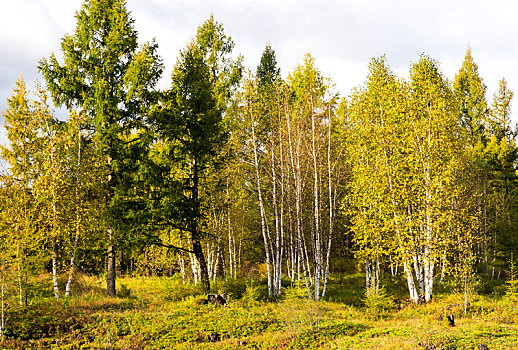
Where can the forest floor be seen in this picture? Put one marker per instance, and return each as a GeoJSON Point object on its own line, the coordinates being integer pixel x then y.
{"type": "Point", "coordinates": [163, 313]}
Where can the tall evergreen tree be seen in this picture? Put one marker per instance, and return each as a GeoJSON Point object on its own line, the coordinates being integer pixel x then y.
{"type": "Point", "coordinates": [470, 94]}
{"type": "Point", "coordinates": [104, 75]}
{"type": "Point", "coordinates": [267, 71]}
{"type": "Point", "coordinates": [190, 125]}
{"type": "Point", "coordinates": [500, 156]}
{"type": "Point", "coordinates": [473, 115]}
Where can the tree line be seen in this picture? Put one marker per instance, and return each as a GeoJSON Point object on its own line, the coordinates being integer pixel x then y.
{"type": "Point", "coordinates": [231, 170]}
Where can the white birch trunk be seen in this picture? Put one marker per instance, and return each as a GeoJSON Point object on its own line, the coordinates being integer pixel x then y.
{"type": "Point", "coordinates": [281, 223]}
{"type": "Point", "coordinates": [411, 284]}
{"type": "Point", "coordinates": [20, 284]}
{"type": "Point", "coordinates": [298, 214]}
{"type": "Point", "coordinates": [181, 263]}
{"type": "Point", "coordinates": [194, 266]}
{"type": "Point", "coordinates": [317, 264]}
{"type": "Point", "coordinates": [54, 216]}
{"type": "Point", "coordinates": [239, 251]}
{"type": "Point", "coordinates": [215, 269]}
{"type": "Point", "coordinates": [78, 216]}
{"type": "Point", "coordinates": [2, 322]}
{"type": "Point", "coordinates": [276, 248]}
{"type": "Point", "coordinates": [418, 269]}
{"type": "Point", "coordinates": [55, 269]}
{"type": "Point", "coordinates": [231, 253]}
{"type": "Point", "coordinates": [264, 222]}
{"type": "Point", "coordinates": [332, 199]}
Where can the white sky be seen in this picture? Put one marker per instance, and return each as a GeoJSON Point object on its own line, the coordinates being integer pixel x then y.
{"type": "Point", "coordinates": [342, 35]}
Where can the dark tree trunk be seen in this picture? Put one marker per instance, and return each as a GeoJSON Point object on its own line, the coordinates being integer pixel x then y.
{"type": "Point", "coordinates": [196, 244]}
{"type": "Point", "coordinates": [198, 252]}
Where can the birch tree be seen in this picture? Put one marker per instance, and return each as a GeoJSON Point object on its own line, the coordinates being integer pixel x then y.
{"type": "Point", "coordinates": [22, 127]}
{"type": "Point", "coordinates": [375, 127]}
{"type": "Point", "coordinates": [312, 158]}
{"type": "Point", "coordinates": [437, 150]}
{"type": "Point", "coordinates": [407, 153]}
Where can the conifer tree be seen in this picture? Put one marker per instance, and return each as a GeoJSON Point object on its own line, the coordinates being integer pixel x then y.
{"type": "Point", "coordinates": [190, 125]}
{"type": "Point", "coordinates": [470, 95]}
{"type": "Point", "coordinates": [106, 76]}
{"type": "Point", "coordinates": [500, 156]}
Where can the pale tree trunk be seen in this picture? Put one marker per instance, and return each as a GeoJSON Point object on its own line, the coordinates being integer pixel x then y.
{"type": "Point", "coordinates": [407, 270]}
{"type": "Point", "coordinates": [411, 284]}
{"type": "Point", "coordinates": [280, 243]}
{"type": "Point", "coordinates": [78, 216]}
{"type": "Point", "coordinates": [54, 215]}
{"type": "Point", "coordinates": [111, 260]}
{"type": "Point", "coordinates": [223, 268]}
{"type": "Point", "coordinates": [443, 268]}
{"type": "Point", "coordinates": [221, 253]}
{"type": "Point", "coordinates": [317, 264]}
{"type": "Point", "coordinates": [239, 264]}
{"type": "Point", "coordinates": [209, 255]}
{"type": "Point", "coordinates": [55, 269]}
{"type": "Point", "coordinates": [215, 269]}
{"type": "Point", "coordinates": [212, 247]}
{"type": "Point", "coordinates": [181, 263]}
{"type": "Point", "coordinates": [372, 276]}
{"type": "Point", "coordinates": [264, 222]}
{"type": "Point", "coordinates": [298, 213]}
{"type": "Point", "coordinates": [305, 256]}
{"type": "Point", "coordinates": [486, 262]}
{"type": "Point", "coordinates": [428, 275]}
{"type": "Point", "coordinates": [20, 283]}
{"type": "Point", "coordinates": [428, 286]}
{"type": "Point", "coordinates": [231, 246]}
{"type": "Point", "coordinates": [110, 277]}
{"type": "Point", "coordinates": [194, 266]}
{"type": "Point", "coordinates": [275, 247]}
{"type": "Point", "coordinates": [54, 248]}
{"type": "Point", "coordinates": [428, 263]}
{"type": "Point", "coordinates": [393, 266]}
{"type": "Point", "coordinates": [210, 260]}
{"type": "Point", "coordinates": [2, 321]}
{"type": "Point", "coordinates": [332, 201]}
{"type": "Point", "coordinates": [292, 249]}
{"type": "Point", "coordinates": [418, 268]}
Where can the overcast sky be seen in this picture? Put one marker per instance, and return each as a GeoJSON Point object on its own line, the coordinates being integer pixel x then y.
{"type": "Point", "coordinates": [342, 35]}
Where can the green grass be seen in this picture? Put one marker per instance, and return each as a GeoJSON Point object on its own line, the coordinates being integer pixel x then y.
{"type": "Point", "coordinates": [163, 313]}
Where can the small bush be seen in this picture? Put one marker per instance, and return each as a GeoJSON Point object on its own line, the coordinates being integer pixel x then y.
{"type": "Point", "coordinates": [251, 294]}
{"type": "Point", "coordinates": [123, 291]}
{"type": "Point", "coordinates": [512, 283]}
{"type": "Point", "coordinates": [235, 288]}
{"type": "Point", "coordinates": [378, 302]}
{"type": "Point", "coordinates": [297, 290]}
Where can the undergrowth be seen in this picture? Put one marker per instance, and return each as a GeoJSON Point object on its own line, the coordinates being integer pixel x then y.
{"type": "Point", "coordinates": [164, 313]}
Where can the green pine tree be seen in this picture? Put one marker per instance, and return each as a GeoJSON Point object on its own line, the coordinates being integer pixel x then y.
{"type": "Point", "coordinates": [107, 77]}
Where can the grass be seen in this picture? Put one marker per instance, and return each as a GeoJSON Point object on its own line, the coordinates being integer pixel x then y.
{"type": "Point", "coordinates": [163, 313]}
